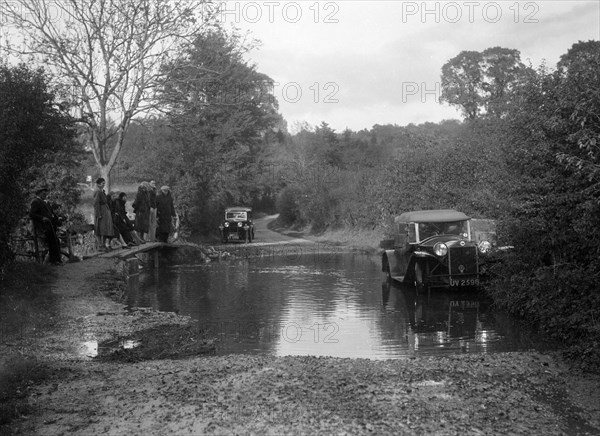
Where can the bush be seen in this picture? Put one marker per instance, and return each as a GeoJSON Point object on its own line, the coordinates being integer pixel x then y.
{"type": "Point", "coordinates": [288, 207]}
{"type": "Point", "coordinates": [560, 300]}
{"type": "Point", "coordinates": [37, 143]}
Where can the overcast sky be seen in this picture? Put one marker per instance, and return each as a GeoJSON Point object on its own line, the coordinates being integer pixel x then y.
{"type": "Point", "coordinates": [359, 63]}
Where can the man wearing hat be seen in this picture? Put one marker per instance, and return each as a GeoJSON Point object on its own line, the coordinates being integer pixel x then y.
{"type": "Point", "coordinates": [165, 212]}
{"type": "Point", "coordinates": [45, 222]}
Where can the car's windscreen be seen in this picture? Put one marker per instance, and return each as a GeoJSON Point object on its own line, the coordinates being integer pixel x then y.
{"type": "Point", "coordinates": [235, 215]}
{"type": "Point", "coordinates": [426, 230]}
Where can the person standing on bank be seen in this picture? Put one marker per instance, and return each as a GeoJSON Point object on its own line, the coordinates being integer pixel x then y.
{"type": "Point", "coordinates": [165, 212]}
{"type": "Point", "coordinates": [152, 223]}
{"type": "Point", "coordinates": [141, 208]}
{"type": "Point", "coordinates": [45, 222]}
{"type": "Point", "coordinates": [103, 224]}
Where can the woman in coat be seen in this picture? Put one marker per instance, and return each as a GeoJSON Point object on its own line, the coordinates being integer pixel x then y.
{"type": "Point", "coordinates": [141, 207]}
{"type": "Point", "coordinates": [122, 221]}
{"type": "Point", "coordinates": [103, 224]}
{"type": "Point", "coordinates": [165, 212]}
{"type": "Point", "coordinates": [123, 237]}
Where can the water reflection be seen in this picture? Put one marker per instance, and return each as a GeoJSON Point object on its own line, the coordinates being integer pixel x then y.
{"type": "Point", "coordinates": [442, 321]}
{"type": "Point", "coordinates": [327, 304]}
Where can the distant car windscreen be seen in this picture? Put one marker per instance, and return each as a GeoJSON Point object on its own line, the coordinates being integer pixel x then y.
{"type": "Point", "coordinates": [236, 215]}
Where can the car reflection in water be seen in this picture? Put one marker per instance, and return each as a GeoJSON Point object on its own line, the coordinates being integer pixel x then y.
{"type": "Point", "coordinates": [452, 321]}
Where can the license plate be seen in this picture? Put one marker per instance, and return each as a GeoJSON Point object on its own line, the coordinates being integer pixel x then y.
{"type": "Point", "coordinates": [464, 282]}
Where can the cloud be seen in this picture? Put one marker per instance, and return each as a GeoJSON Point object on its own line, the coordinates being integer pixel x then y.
{"type": "Point", "coordinates": [381, 61]}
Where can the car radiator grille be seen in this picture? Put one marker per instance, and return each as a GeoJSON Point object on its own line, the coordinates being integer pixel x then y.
{"type": "Point", "coordinates": [462, 260]}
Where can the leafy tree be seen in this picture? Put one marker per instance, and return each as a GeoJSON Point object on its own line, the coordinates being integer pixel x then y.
{"type": "Point", "coordinates": [327, 145]}
{"type": "Point", "coordinates": [37, 146]}
{"type": "Point", "coordinates": [462, 83]}
{"type": "Point", "coordinates": [503, 75]}
{"type": "Point", "coordinates": [111, 52]}
{"type": "Point", "coordinates": [221, 115]}
{"type": "Point", "coordinates": [482, 82]}
{"type": "Point", "coordinates": [556, 129]}
{"type": "Point", "coordinates": [554, 222]}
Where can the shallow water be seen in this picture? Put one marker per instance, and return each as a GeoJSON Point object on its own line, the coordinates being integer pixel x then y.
{"type": "Point", "coordinates": [325, 304]}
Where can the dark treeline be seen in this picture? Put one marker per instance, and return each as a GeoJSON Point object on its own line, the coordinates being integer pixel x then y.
{"type": "Point", "coordinates": [362, 179]}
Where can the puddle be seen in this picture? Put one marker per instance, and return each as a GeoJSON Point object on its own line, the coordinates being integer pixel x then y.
{"type": "Point", "coordinates": [159, 342]}
{"type": "Point", "coordinates": [95, 349]}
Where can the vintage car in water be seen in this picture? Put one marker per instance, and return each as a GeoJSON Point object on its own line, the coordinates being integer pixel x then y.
{"type": "Point", "coordinates": [237, 225]}
{"type": "Point", "coordinates": [436, 248]}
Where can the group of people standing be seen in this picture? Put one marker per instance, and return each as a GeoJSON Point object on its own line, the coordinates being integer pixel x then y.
{"type": "Point", "coordinates": [154, 215]}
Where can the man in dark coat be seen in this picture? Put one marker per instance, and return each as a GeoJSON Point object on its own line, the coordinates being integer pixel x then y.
{"type": "Point", "coordinates": [141, 208]}
{"type": "Point", "coordinates": [165, 212]}
{"type": "Point", "coordinates": [45, 222]}
{"type": "Point", "coordinates": [153, 213]}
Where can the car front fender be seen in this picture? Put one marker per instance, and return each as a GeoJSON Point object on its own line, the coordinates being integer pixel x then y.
{"type": "Point", "coordinates": [423, 254]}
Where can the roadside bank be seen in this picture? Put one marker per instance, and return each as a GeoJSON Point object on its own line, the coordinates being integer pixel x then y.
{"type": "Point", "coordinates": [358, 240]}
{"type": "Point", "coordinates": [503, 393]}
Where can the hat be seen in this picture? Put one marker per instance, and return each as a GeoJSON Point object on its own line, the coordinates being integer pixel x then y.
{"type": "Point", "coordinates": [41, 189]}
{"type": "Point", "coordinates": [164, 188]}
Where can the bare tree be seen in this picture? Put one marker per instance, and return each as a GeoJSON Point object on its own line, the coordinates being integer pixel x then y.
{"type": "Point", "coordinates": [111, 52]}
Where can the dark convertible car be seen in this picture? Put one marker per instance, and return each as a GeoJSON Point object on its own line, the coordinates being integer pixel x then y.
{"type": "Point", "coordinates": [237, 225]}
{"type": "Point", "coordinates": [436, 248]}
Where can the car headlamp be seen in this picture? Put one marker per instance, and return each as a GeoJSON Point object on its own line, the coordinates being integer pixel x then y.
{"type": "Point", "coordinates": [226, 224]}
{"type": "Point", "coordinates": [240, 224]}
{"type": "Point", "coordinates": [440, 249]}
{"type": "Point", "coordinates": [484, 246]}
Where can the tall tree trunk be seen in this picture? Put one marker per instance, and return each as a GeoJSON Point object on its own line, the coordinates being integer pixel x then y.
{"type": "Point", "coordinates": [105, 174]}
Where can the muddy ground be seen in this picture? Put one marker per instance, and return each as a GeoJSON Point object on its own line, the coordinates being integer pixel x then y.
{"type": "Point", "coordinates": [175, 385]}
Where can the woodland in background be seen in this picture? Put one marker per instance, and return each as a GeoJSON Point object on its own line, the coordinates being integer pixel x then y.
{"type": "Point", "coordinates": [525, 154]}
